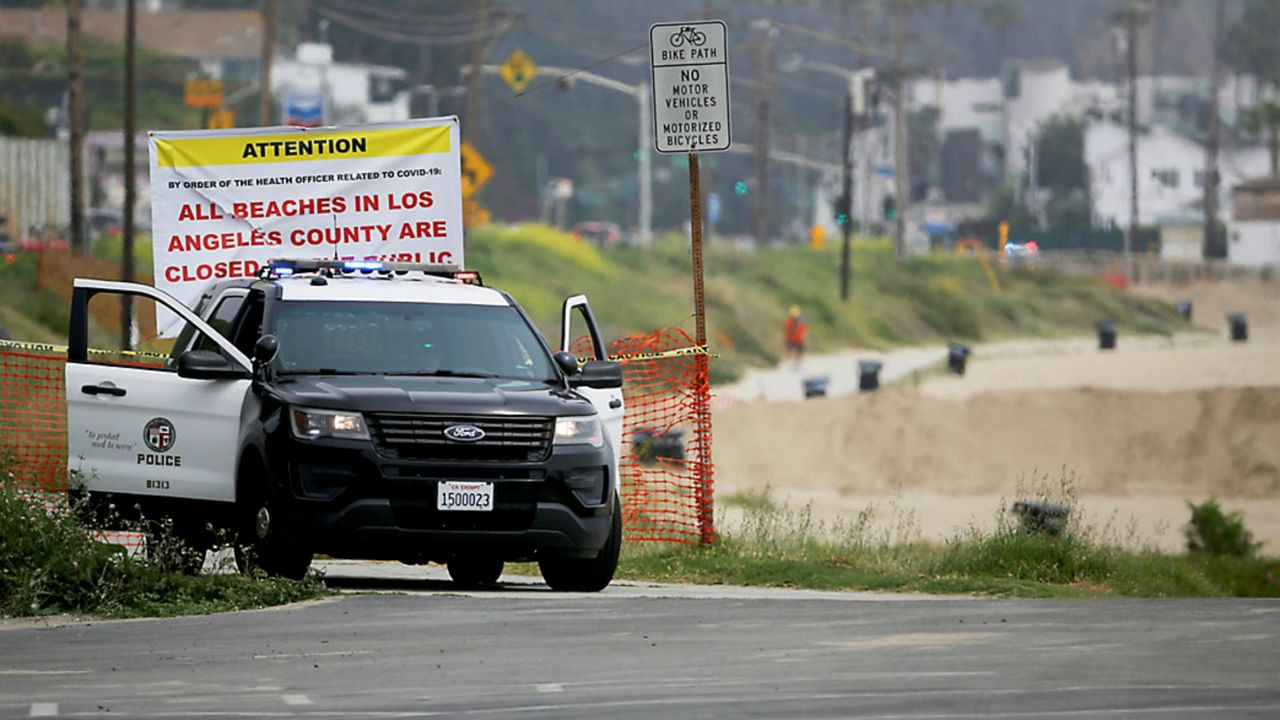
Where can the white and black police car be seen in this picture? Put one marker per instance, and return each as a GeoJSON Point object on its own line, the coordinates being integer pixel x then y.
{"type": "Point", "coordinates": [362, 410]}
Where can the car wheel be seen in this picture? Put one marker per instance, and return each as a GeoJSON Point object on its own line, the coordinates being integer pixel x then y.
{"type": "Point", "coordinates": [264, 544]}
{"type": "Point", "coordinates": [586, 574]}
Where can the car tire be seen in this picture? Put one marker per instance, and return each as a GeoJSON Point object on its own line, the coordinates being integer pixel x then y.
{"type": "Point", "coordinates": [564, 574]}
{"type": "Point", "coordinates": [263, 544]}
{"type": "Point", "coordinates": [475, 571]}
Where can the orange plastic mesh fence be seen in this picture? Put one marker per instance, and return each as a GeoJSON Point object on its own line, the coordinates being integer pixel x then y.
{"type": "Point", "coordinates": [33, 417]}
{"type": "Point", "coordinates": [666, 447]}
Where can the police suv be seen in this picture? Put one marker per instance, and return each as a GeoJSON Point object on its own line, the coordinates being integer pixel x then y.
{"type": "Point", "coordinates": [358, 409]}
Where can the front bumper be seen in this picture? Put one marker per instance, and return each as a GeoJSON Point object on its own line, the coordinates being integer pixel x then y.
{"type": "Point", "coordinates": [346, 500]}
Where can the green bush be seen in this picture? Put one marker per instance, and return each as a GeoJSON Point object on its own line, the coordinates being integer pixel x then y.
{"type": "Point", "coordinates": [51, 562]}
{"type": "Point", "coordinates": [1214, 532]}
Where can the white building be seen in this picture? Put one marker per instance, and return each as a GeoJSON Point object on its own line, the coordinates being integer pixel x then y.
{"type": "Point", "coordinates": [1037, 90]}
{"type": "Point", "coordinates": [1254, 238]}
{"type": "Point", "coordinates": [1170, 173]}
{"type": "Point", "coordinates": [353, 93]}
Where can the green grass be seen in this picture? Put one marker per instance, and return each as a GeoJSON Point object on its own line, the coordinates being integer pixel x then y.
{"type": "Point", "coordinates": [30, 314]}
{"type": "Point", "coordinates": [880, 550]}
{"type": "Point", "coordinates": [50, 563]}
{"type": "Point", "coordinates": [929, 299]}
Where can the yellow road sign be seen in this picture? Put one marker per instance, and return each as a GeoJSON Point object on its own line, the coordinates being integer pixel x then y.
{"type": "Point", "coordinates": [519, 71]}
{"type": "Point", "coordinates": [476, 171]}
{"type": "Point", "coordinates": [474, 214]}
{"type": "Point", "coordinates": [203, 93]}
{"type": "Point", "coordinates": [221, 119]}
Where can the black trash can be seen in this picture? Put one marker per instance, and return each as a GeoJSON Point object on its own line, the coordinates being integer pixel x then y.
{"type": "Point", "coordinates": [1239, 324]}
{"type": "Point", "coordinates": [869, 375]}
{"type": "Point", "coordinates": [650, 445]}
{"type": "Point", "coordinates": [816, 386]}
{"type": "Point", "coordinates": [1184, 309]}
{"type": "Point", "coordinates": [1038, 516]}
{"type": "Point", "coordinates": [1107, 335]}
{"type": "Point", "coordinates": [957, 356]}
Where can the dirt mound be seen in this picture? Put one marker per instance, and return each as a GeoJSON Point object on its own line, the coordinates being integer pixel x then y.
{"type": "Point", "coordinates": [1224, 442]}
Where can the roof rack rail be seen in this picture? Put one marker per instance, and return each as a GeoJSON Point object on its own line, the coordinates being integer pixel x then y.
{"type": "Point", "coordinates": [285, 267]}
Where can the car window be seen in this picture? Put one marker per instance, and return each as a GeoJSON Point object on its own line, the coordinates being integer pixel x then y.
{"type": "Point", "coordinates": [223, 319]}
{"type": "Point", "coordinates": [408, 339]}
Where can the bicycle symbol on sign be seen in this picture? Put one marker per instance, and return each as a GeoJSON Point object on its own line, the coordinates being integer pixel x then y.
{"type": "Point", "coordinates": [688, 34]}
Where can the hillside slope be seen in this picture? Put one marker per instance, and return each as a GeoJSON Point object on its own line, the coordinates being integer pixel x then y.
{"type": "Point", "coordinates": [926, 300]}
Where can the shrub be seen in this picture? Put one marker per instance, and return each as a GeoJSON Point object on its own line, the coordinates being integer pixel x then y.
{"type": "Point", "coordinates": [51, 562]}
{"type": "Point", "coordinates": [1214, 532]}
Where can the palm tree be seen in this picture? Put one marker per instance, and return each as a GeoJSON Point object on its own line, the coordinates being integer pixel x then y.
{"type": "Point", "coordinates": [1264, 119]}
{"type": "Point", "coordinates": [1002, 16]}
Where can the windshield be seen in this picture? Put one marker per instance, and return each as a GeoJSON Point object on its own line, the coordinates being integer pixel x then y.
{"type": "Point", "coordinates": [396, 338]}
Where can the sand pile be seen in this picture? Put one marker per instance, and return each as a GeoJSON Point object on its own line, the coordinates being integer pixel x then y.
{"type": "Point", "coordinates": [1141, 430]}
{"type": "Point", "coordinates": [1120, 443]}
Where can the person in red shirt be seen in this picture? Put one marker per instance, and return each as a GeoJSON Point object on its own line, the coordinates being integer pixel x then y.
{"type": "Point", "coordinates": [795, 332]}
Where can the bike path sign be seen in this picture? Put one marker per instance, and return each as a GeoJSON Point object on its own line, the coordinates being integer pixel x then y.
{"type": "Point", "coordinates": [690, 65]}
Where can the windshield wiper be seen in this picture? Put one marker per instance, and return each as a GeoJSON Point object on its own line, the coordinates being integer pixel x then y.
{"type": "Point", "coordinates": [321, 371]}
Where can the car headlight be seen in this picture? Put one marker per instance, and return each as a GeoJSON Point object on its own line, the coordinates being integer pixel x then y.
{"type": "Point", "coordinates": [312, 424]}
{"type": "Point", "coordinates": [580, 430]}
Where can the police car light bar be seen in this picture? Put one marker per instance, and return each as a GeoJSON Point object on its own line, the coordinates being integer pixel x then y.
{"type": "Point", "coordinates": [284, 267]}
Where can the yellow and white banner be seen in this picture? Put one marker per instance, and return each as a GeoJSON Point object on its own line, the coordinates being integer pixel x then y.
{"type": "Point", "coordinates": [224, 202]}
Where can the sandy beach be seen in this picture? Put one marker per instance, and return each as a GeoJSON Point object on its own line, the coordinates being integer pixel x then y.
{"type": "Point", "coordinates": [1135, 433]}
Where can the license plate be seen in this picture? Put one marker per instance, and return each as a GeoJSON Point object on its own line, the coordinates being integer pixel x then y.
{"type": "Point", "coordinates": [464, 496]}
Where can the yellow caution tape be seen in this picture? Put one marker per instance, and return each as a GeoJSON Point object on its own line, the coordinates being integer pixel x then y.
{"type": "Point", "coordinates": [51, 348]}
{"type": "Point", "coordinates": [693, 350]}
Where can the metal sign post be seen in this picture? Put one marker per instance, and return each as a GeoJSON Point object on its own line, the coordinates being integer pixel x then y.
{"type": "Point", "coordinates": [690, 69]}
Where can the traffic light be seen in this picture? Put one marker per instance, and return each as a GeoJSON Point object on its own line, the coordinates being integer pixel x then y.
{"type": "Point", "coordinates": [890, 207]}
{"type": "Point", "coordinates": [841, 209]}
{"type": "Point", "coordinates": [1004, 233]}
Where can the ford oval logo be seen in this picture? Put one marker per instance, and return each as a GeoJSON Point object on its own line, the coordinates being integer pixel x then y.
{"type": "Point", "coordinates": [464, 433]}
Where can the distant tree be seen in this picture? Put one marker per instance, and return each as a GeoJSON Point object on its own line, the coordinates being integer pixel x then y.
{"type": "Point", "coordinates": [20, 119]}
{"type": "Point", "coordinates": [1060, 155]}
{"type": "Point", "coordinates": [922, 150]}
{"type": "Point", "coordinates": [1006, 204]}
{"type": "Point", "coordinates": [1262, 121]}
{"type": "Point", "coordinates": [1161, 10]}
{"type": "Point", "coordinates": [1069, 212]}
{"type": "Point", "coordinates": [1002, 16]}
{"type": "Point", "coordinates": [1251, 45]}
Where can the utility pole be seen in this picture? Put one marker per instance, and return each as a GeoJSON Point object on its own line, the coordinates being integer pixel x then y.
{"type": "Point", "coordinates": [1213, 245]}
{"type": "Point", "coordinates": [75, 122]}
{"type": "Point", "coordinates": [900, 168]}
{"type": "Point", "coordinates": [846, 194]}
{"type": "Point", "coordinates": [764, 95]}
{"type": "Point", "coordinates": [264, 61]}
{"type": "Point", "coordinates": [900, 157]}
{"type": "Point", "coordinates": [1131, 53]}
{"type": "Point", "coordinates": [472, 118]}
{"type": "Point", "coordinates": [130, 192]}
{"type": "Point", "coordinates": [865, 146]}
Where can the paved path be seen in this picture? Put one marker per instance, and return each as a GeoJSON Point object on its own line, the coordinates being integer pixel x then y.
{"type": "Point", "coordinates": [637, 651]}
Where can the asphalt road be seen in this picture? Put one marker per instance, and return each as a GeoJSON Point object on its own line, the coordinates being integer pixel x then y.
{"type": "Point", "coordinates": [428, 650]}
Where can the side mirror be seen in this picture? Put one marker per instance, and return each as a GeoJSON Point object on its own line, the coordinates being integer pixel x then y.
{"type": "Point", "coordinates": [208, 365]}
{"type": "Point", "coordinates": [264, 351]}
{"type": "Point", "coordinates": [568, 363]}
{"type": "Point", "coordinates": [599, 374]}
